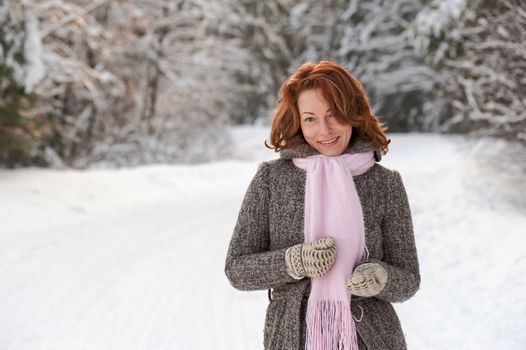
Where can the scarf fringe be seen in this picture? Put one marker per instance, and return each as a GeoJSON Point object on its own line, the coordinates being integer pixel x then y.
{"type": "Point", "coordinates": [330, 326]}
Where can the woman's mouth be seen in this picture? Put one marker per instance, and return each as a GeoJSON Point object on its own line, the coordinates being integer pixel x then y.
{"type": "Point", "coordinates": [329, 142]}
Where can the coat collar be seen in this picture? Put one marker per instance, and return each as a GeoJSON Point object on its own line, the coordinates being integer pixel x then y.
{"type": "Point", "coordinates": [303, 150]}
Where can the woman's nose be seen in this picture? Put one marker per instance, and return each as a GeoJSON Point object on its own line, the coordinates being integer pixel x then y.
{"type": "Point", "coordinates": [325, 127]}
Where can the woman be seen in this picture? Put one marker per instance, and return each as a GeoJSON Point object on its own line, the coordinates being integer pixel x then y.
{"type": "Point", "coordinates": [325, 226]}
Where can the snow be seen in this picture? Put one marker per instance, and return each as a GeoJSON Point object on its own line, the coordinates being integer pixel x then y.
{"type": "Point", "coordinates": [133, 258]}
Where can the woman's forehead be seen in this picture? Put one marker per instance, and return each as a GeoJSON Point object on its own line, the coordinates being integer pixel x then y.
{"type": "Point", "coordinates": [312, 101]}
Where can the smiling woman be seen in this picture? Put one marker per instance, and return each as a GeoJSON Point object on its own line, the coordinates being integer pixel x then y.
{"type": "Point", "coordinates": [325, 228]}
{"type": "Point", "coordinates": [315, 92]}
{"type": "Point", "coordinates": [320, 127]}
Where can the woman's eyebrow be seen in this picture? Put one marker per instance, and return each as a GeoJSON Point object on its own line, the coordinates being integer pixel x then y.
{"type": "Point", "coordinates": [313, 113]}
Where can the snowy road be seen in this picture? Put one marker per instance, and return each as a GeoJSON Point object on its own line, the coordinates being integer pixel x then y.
{"type": "Point", "coordinates": [133, 258]}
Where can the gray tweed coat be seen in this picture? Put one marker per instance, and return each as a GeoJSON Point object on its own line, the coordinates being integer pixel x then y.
{"type": "Point", "coordinates": [271, 220]}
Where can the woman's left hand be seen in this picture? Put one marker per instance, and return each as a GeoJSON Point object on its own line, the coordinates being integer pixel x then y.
{"type": "Point", "coordinates": [367, 280]}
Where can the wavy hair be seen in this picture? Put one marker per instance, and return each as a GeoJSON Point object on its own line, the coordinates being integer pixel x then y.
{"type": "Point", "coordinates": [345, 96]}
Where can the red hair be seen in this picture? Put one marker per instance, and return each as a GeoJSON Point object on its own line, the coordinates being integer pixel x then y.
{"type": "Point", "coordinates": [345, 96]}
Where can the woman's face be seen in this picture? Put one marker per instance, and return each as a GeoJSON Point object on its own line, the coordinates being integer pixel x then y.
{"type": "Point", "coordinates": [321, 129]}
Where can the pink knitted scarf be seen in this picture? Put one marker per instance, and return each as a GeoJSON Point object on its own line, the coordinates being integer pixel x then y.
{"type": "Point", "coordinates": [332, 207]}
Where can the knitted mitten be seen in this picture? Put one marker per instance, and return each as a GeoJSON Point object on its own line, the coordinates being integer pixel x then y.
{"type": "Point", "coordinates": [367, 280]}
{"type": "Point", "coordinates": [312, 259]}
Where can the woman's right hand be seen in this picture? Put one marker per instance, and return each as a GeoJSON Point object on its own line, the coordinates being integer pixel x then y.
{"type": "Point", "coordinates": [312, 259]}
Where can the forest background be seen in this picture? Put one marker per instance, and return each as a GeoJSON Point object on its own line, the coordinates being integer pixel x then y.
{"type": "Point", "coordinates": [88, 83]}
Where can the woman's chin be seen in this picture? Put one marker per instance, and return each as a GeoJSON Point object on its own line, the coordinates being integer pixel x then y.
{"type": "Point", "coordinates": [334, 151]}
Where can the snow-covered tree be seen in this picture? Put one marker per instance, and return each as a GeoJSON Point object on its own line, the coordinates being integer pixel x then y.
{"type": "Point", "coordinates": [135, 82]}
{"type": "Point", "coordinates": [20, 69]}
{"type": "Point", "coordinates": [479, 52]}
{"type": "Point", "coordinates": [78, 95]}
{"type": "Point", "coordinates": [367, 37]}
{"type": "Point", "coordinates": [371, 39]}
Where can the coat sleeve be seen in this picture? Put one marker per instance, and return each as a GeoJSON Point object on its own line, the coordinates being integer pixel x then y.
{"type": "Point", "coordinates": [250, 265]}
{"type": "Point", "coordinates": [400, 258]}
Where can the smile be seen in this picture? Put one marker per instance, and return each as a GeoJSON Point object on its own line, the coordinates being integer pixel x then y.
{"type": "Point", "coordinates": [329, 142]}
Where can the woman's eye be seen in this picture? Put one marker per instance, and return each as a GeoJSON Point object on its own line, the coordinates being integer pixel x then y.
{"type": "Point", "coordinates": [309, 119]}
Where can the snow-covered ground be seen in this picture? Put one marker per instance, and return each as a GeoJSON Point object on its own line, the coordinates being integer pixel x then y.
{"type": "Point", "coordinates": [133, 258]}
